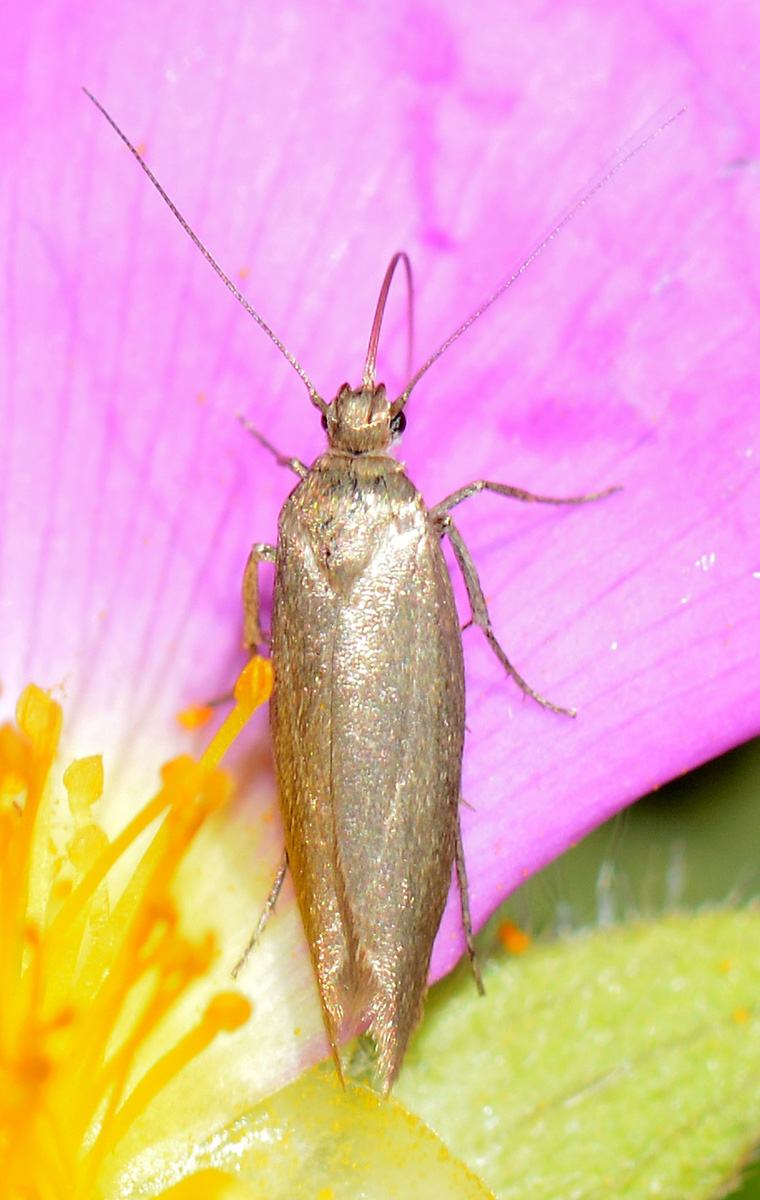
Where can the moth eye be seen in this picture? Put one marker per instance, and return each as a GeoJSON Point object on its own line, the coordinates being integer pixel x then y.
{"type": "Point", "coordinates": [324, 420]}
{"type": "Point", "coordinates": [398, 424]}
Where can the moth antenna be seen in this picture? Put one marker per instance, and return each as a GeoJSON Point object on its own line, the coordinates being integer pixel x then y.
{"type": "Point", "coordinates": [398, 404]}
{"type": "Point", "coordinates": [368, 378]}
{"type": "Point", "coordinates": [314, 395]}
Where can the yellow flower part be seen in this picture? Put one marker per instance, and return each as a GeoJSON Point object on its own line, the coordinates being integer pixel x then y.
{"type": "Point", "coordinates": [83, 983]}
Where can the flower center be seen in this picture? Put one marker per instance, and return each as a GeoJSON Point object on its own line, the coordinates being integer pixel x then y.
{"type": "Point", "coordinates": [84, 983]}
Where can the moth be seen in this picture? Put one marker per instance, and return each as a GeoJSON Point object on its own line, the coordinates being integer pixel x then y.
{"type": "Point", "coordinates": [368, 709]}
{"type": "Point", "coordinates": [368, 712]}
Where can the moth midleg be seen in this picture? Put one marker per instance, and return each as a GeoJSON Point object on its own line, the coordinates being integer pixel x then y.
{"type": "Point", "coordinates": [504, 489]}
{"type": "Point", "coordinates": [464, 900]}
{"type": "Point", "coordinates": [252, 635]}
{"type": "Point", "coordinates": [479, 608]}
{"type": "Point", "coordinates": [269, 907]}
{"type": "Point", "coordinates": [285, 460]}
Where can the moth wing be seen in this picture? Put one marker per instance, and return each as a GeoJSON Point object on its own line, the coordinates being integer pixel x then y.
{"type": "Point", "coordinates": [304, 622]}
{"type": "Point", "coordinates": [368, 727]}
{"type": "Point", "coordinates": [397, 739]}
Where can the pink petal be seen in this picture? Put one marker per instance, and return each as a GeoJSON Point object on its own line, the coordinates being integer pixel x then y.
{"type": "Point", "coordinates": [305, 145]}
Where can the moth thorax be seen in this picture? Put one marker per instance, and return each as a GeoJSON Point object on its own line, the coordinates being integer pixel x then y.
{"type": "Point", "coordinates": [359, 420]}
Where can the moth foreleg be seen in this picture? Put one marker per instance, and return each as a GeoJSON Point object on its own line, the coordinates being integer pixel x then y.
{"type": "Point", "coordinates": [480, 616]}
{"type": "Point", "coordinates": [269, 907]}
{"type": "Point", "coordinates": [293, 464]}
{"type": "Point", "coordinates": [252, 635]}
{"type": "Point", "coordinates": [464, 900]}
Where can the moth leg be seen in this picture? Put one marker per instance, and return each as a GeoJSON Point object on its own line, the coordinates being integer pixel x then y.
{"type": "Point", "coordinates": [252, 635]}
{"type": "Point", "coordinates": [294, 464]}
{"type": "Point", "coordinates": [504, 489]}
{"type": "Point", "coordinates": [464, 900]}
{"type": "Point", "coordinates": [479, 608]}
{"type": "Point", "coordinates": [269, 907]}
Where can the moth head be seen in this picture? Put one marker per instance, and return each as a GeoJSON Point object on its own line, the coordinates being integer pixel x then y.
{"type": "Point", "coordinates": [360, 420]}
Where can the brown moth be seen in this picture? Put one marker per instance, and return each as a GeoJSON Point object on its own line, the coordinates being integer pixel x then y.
{"type": "Point", "coordinates": [368, 708]}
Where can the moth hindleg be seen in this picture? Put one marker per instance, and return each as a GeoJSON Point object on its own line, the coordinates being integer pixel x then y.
{"type": "Point", "coordinates": [464, 900]}
{"type": "Point", "coordinates": [479, 608]}
{"type": "Point", "coordinates": [269, 907]}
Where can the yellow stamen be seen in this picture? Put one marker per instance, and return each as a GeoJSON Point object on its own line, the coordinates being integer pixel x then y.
{"type": "Point", "coordinates": [227, 1012]}
{"type": "Point", "coordinates": [195, 716]}
{"type": "Point", "coordinates": [252, 689]}
{"type": "Point", "coordinates": [513, 938]}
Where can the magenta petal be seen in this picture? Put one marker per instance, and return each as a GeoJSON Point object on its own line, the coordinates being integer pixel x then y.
{"type": "Point", "coordinates": [305, 145]}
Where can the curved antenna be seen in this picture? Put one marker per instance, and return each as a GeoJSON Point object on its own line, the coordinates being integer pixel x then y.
{"type": "Point", "coordinates": [368, 378]}
{"type": "Point", "coordinates": [316, 399]}
{"type": "Point", "coordinates": [398, 404]}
